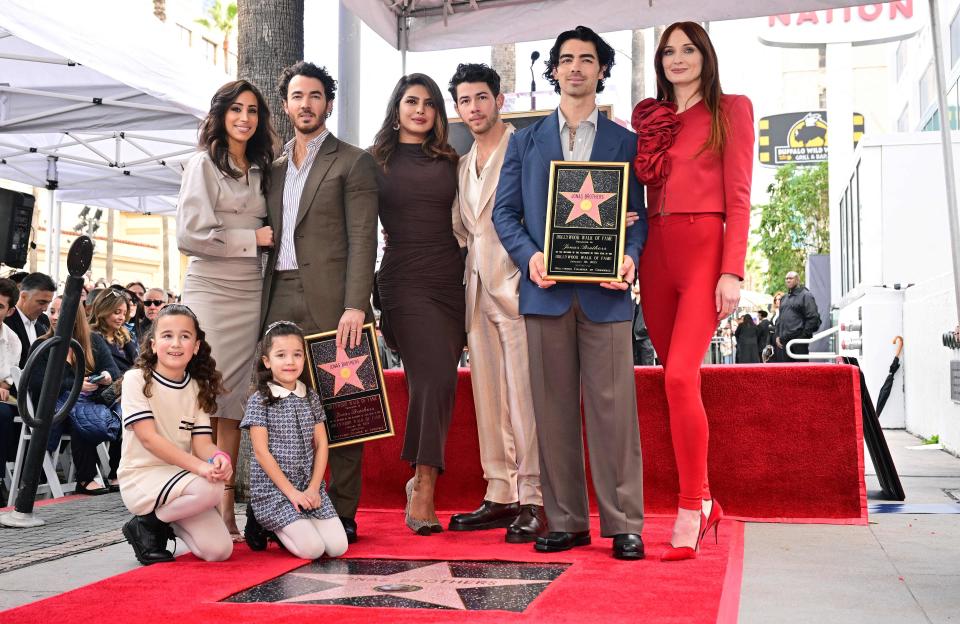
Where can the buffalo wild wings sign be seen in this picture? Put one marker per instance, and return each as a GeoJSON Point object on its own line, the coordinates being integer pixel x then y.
{"type": "Point", "coordinates": [798, 138]}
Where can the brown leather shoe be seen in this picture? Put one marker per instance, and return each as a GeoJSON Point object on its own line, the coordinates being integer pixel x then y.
{"type": "Point", "coordinates": [529, 525]}
{"type": "Point", "coordinates": [488, 516]}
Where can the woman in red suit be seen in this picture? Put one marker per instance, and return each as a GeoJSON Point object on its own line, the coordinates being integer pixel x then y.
{"type": "Point", "coordinates": [695, 156]}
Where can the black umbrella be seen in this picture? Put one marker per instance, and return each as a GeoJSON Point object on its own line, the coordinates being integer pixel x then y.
{"type": "Point", "coordinates": [884, 393]}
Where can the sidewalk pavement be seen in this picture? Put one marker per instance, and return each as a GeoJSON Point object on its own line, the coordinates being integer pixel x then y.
{"type": "Point", "coordinates": [902, 567]}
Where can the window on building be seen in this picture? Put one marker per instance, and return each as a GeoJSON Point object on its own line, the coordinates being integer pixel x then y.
{"type": "Point", "coordinates": [955, 39]}
{"type": "Point", "coordinates": [822, 56]}
{"type": "Point", "coordinates": [822, 97]}
{"type": "Point", "coordinates": [903, 122]}
{"type": "Point", "coordinates": [933, 123]}
{"type": "Point", "coordinates": [901, 58]}
{"type": "Point", "coordinates": [952, 108]}
{"type": "Point", "coordinates": [210, 50]}
{"type": "Point", "coordinates": [928, 88]}
{"type": "Point", "coordinates": [186, 35]}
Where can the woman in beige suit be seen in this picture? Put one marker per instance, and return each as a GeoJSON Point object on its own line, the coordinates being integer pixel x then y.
{"type": "Point", "coordinates": [220, 225]}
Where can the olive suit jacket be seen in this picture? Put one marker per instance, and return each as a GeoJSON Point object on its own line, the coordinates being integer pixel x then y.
{"type": "Point", "coordinates": [335, 235]}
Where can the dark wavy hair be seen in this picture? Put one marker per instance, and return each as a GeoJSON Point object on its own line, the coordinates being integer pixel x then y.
{"type": "Point", "coordinates": [274, 331]}
{"type": "Point", "coordinates": [435, 145]}
{"type": "Point", "coordinates": [604, 54]}
{"type": "Point", "coordinates": [202, 367]}
{"type": "Point", "coordinates": [710, 89]}
{"type": "Point", "coordinates": [474, 72]}
{"type": "Point", "coordinates": [213, 132]}
{"type": "Point", "coordinates": [305, 68]}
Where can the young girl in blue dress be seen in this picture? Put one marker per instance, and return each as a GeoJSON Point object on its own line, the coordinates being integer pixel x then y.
{"type": "Point", "coordinates": [287, 494]}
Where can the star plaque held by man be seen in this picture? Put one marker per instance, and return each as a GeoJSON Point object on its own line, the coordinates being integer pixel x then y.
{"type": "Point", "coordinates": [349, 382]}
{"type": "Point", "coordinates": [586, 220]}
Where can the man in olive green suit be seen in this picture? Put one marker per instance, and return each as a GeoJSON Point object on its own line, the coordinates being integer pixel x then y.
{"type": "Point", "coordinates": [322, 206]}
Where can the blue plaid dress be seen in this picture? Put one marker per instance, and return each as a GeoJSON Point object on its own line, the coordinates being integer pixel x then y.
{"type": "Point", "coordinates": [289, 422]}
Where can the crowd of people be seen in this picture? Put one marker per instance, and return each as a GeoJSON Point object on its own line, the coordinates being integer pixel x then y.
{"type": "Point", "coordinates": [748, 340]}
{"type": "Point", "coordinates": [284, 248]}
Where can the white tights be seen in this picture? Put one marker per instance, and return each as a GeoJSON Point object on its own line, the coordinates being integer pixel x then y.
{"type": "Point", "coordinates": [309, 538]}
{"type": "Point", "coordinates": [196, 521]}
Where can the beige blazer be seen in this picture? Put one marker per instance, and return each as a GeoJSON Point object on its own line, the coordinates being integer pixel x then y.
{"type": "Point", "coordinates": [487, 266]}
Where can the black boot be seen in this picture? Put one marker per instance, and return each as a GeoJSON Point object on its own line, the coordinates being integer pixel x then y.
{"type": "Point", "coordinates": [253, 533]}
{"type": "Point", "coordinates": [148, 536]}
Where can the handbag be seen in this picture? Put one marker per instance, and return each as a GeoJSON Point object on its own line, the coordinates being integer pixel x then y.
{"type": "Point", "coordinates": [95, 422]}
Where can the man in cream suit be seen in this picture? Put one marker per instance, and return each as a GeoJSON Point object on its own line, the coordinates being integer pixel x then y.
{"type": "Point", "coordinates": [495, 330]}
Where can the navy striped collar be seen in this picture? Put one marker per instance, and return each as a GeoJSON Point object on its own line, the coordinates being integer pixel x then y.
{"type": "Point", "coordinates": [176, 385]}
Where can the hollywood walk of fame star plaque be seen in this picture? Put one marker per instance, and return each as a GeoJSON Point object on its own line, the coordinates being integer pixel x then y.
{"type": "Point", "coordinates": [351, 388]}
{"type": "Point", "coordinates": [586, 221]}
{"type": "Point", "coordinates": [408, 584]}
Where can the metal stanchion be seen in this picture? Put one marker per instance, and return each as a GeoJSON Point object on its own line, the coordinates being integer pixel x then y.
{"type": "Point", "coordinates": [40, 422]}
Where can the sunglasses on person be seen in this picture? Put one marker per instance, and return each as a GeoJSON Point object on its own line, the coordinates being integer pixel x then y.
{"type": "Point", "coordinates": [153, 302]}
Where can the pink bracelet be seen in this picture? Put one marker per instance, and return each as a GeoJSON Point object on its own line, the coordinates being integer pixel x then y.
{"type": "Point", "coordinates": [218, 453]}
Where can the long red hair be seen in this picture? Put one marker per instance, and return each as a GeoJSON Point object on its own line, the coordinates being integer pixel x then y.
{"type": "Point", "coordinates": [710, 89]}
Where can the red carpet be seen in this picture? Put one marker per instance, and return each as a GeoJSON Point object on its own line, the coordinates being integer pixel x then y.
{"type": "Point", "coordinates": [786, 445]}
{"type": "Point", "coordinates": [596, 588]}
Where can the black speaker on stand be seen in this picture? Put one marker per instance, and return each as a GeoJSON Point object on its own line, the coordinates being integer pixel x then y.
{"type": "Point", "coordinates": [16, 216]}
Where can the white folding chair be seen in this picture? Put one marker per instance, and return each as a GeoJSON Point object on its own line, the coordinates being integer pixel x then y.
{"type": "Point", "coordinates": [53, 486]}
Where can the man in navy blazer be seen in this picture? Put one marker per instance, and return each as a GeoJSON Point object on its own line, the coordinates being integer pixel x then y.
{"type": "Point", "coordinates": [579, 335]}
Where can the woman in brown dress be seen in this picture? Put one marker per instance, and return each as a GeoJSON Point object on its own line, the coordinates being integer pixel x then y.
{"type": "Point", "coordinates": [420, 281]}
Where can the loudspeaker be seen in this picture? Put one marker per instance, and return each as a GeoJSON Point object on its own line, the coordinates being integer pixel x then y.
{"type": "Point", "coordinates": [16, 216]}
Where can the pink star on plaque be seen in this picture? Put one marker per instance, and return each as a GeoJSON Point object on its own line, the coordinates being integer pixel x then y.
{"type": "Point", "coordinates": [344, 370]}
{"type": "Point", "coordinates": [586, 201]}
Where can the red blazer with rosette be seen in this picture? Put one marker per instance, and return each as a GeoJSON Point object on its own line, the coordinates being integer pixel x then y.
{"type": "Point", "coordinates": [682, 177]}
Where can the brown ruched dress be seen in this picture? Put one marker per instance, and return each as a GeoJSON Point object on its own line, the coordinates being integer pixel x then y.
{"type": "Point", "coordinates": [420, 283]}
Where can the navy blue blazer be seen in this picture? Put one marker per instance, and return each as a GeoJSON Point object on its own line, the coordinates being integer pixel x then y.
{"type": "Point", "coordinates": [520, 215]}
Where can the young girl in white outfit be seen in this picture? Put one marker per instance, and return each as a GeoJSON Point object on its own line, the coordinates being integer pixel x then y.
{"type": "Point", "coordinates": [287, 493]}
{"type": "Point", "coordinates": [171, 474]}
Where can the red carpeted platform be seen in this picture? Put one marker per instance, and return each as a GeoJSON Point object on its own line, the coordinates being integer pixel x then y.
{"type": "Point", "coordinates": [595, 588]}
{"type": "Point", "coordinates": [786, 445]}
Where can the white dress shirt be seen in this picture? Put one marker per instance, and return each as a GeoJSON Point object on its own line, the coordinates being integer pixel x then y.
{"type": "Point", "coordinates": [10, 350]}
{"type": "Point", "coordinates": [29, 326]}
{"type": "Point", "coordinates": [586, 132]}
{"type": "Point", "coordinates": [293, 184]}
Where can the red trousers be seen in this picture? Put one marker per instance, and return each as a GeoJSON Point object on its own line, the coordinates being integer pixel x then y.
{"type": "Point", "coordinates": [679, 270]}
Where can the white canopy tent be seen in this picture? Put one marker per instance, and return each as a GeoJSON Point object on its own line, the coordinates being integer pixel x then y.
{"type": "Point", "coordinates": [97, 103]}
{"type": "Point", "coordinates": [423, 25]}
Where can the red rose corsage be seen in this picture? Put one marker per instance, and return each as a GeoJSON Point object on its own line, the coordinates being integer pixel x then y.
{"type": "Point", "coordinates": [656, 124]}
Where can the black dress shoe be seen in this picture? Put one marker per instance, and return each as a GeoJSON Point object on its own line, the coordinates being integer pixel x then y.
{"type": "Point", "coordinates": [350, 528]}
{"type": "Point", "coordinates": [529, 525]}
{"type": "Point", "coordinates": [555, 541]}
{"type": "Point", "coordinates": [488, 516]}
{"type": "Point", "coordinates": [254, 534]}
{"type": "Point", "coordinates": [148, 536]}
{"type": "Point", "coordinates": [627, 546]}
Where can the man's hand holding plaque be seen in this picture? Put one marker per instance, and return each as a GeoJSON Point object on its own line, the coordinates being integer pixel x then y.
{"type": "Point", "coordinates": [585, 230]}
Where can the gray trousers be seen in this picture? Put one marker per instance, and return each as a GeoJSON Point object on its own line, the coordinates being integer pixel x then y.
{"type": "Point", "coordinates": [570, 356]}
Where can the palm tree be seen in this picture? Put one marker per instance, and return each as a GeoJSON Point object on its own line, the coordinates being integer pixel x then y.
{"type": "Point", "coordinates": [269, 38]}
{"type": "Point", "coordinates": [221, 18]}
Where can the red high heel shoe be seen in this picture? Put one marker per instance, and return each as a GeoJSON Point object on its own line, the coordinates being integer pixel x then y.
{"type": "Point", "coordinates": [682, 553]}
{"type": "Point", "coordinates": [713, 522]}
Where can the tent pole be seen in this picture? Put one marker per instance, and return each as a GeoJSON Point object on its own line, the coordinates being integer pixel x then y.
{"type": "Point", "coordinates": [404, 42]}
{"type": "Point", "coordinates": [348, 66]}
{"type": "Point", "coordinates": [947, 144]}
{"type": "Point", "coordinates": [53, 224]}
{"type": "Point", "coordinates": [53, 238]}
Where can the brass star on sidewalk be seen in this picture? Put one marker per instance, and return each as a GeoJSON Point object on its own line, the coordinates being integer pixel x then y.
{"type": "Point", "coordinates": [432, 584]}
